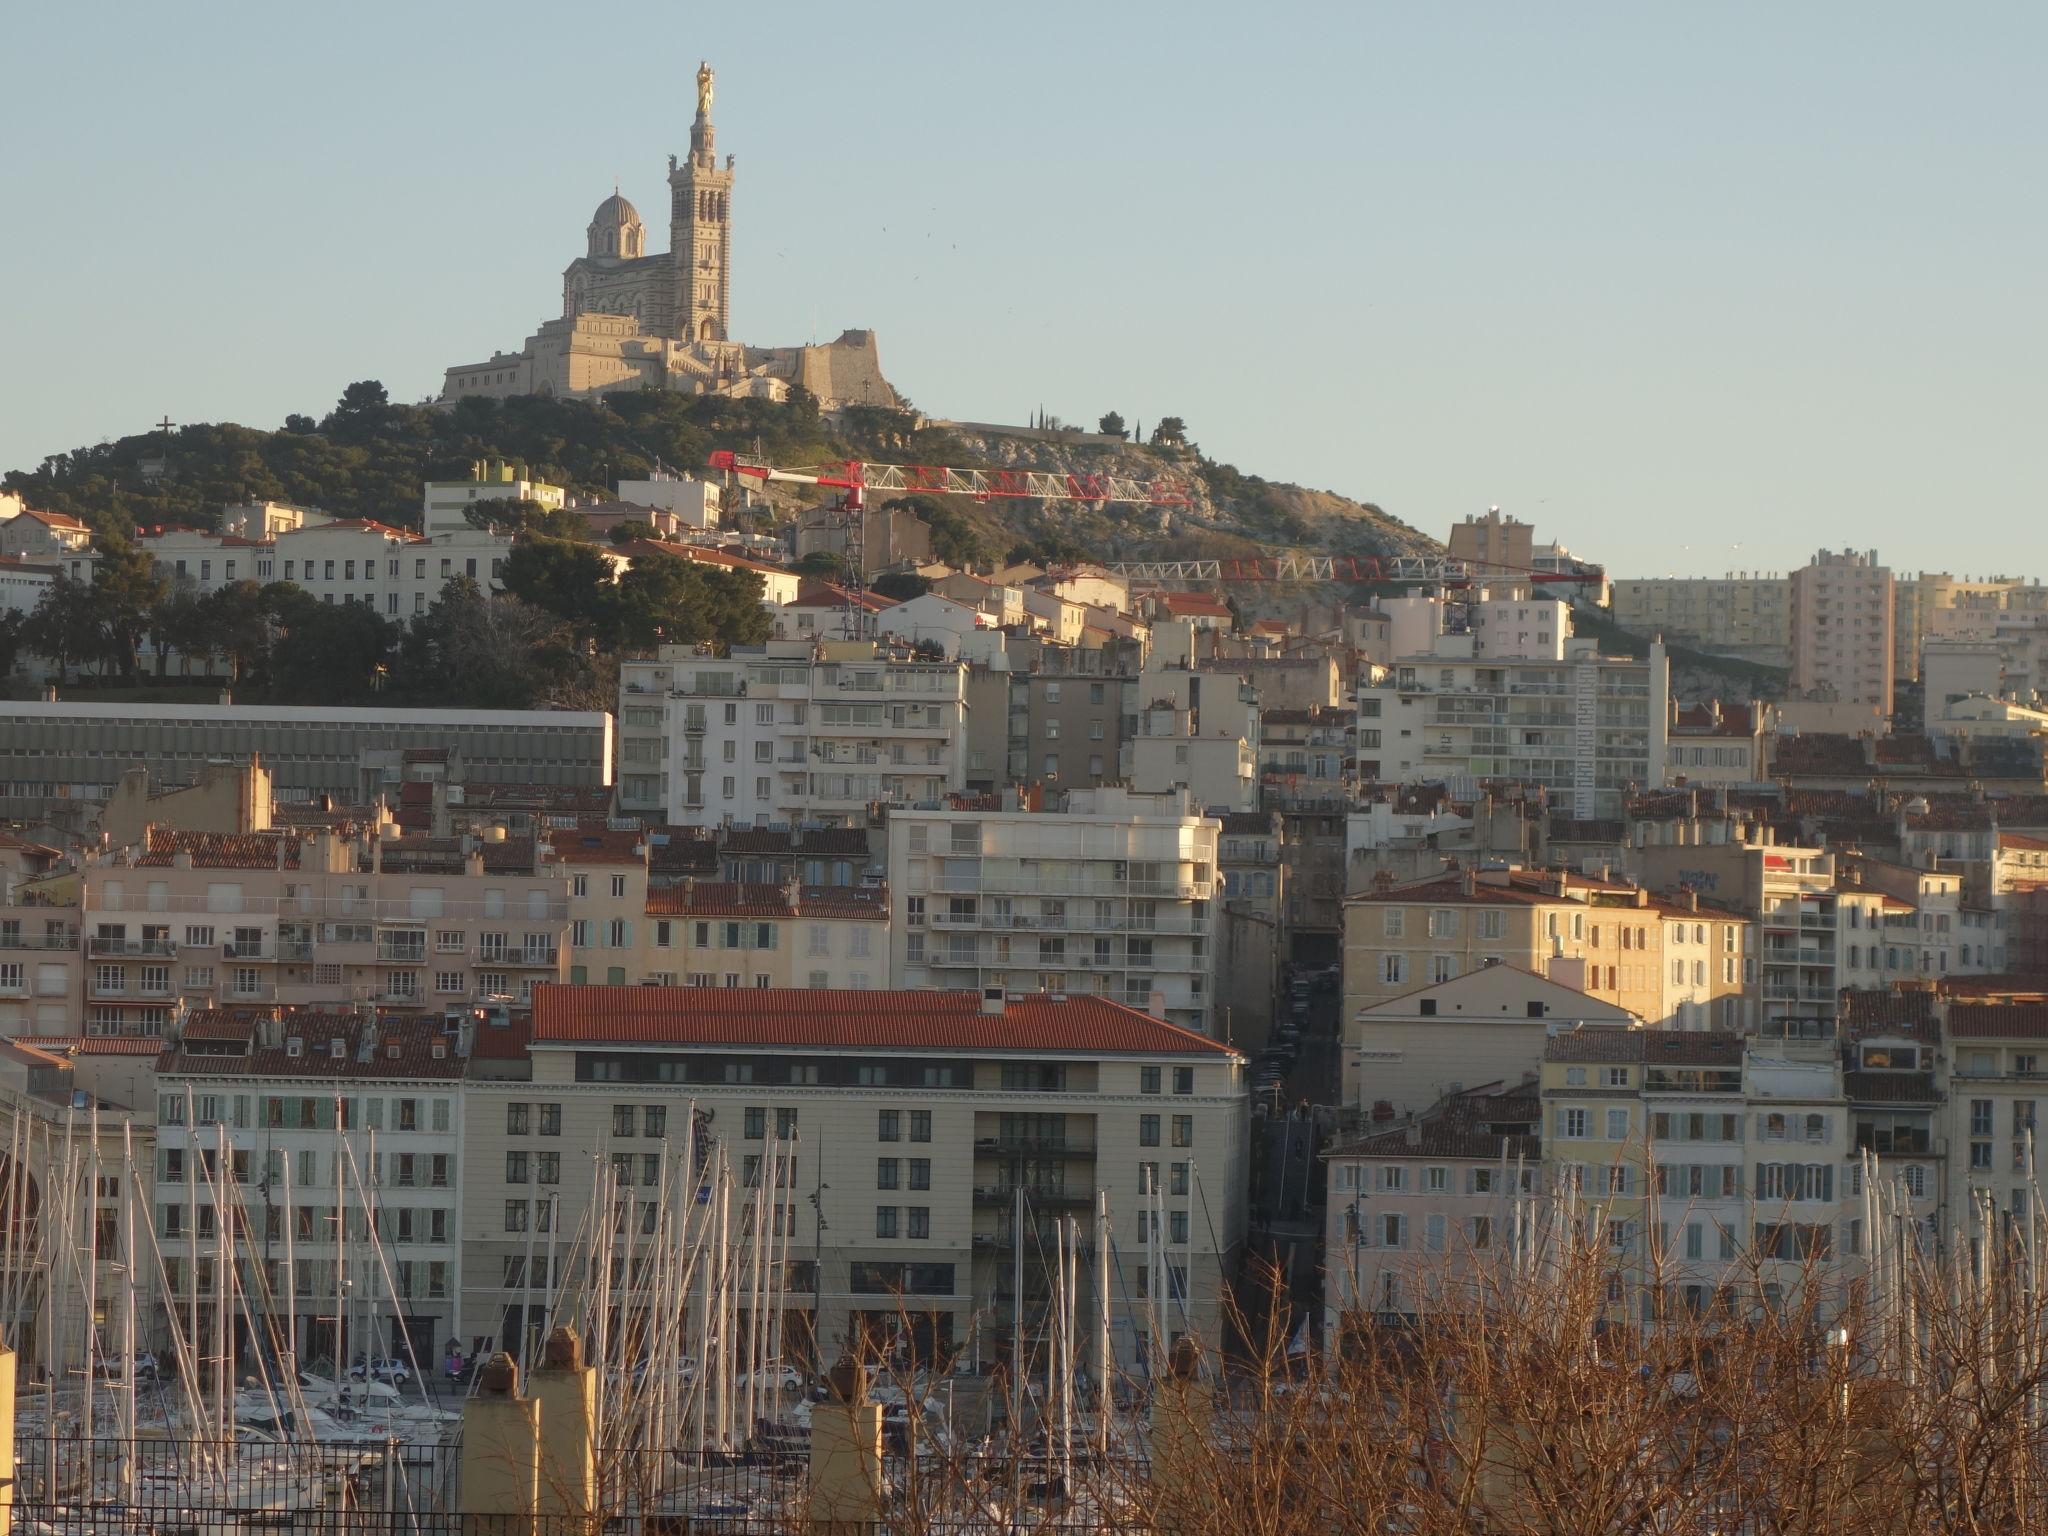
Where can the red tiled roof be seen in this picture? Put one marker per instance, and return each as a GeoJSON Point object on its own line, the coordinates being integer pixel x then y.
{"type": "Point", "coordinates": [1998, 1021]}
{"type": "Point", "coordinates": [1198, 604]}
{"type": "Point", "coordinates": [1890, 1087]}
{"type": "Point", "coordinates": [815, 842]}
{"type": "Point", "coordinates": [596, 845]}
{"type": "Point", "coordinates": [825, 594]}
{"type": "Point", "coordinates": [360, 525]}
{"type": "Point", "coordinates": [55, 520]}
{"type": "Point", "coordinates": [823, 1019]}
{"type": "Point", "coordinates": [2019, 840]}
{"type": "Point", "coordinates": [94, 1045]}
{"type": "Point", "coordinates": [221, 850]}
{"type": "Point", "coordinates": [505, 1042]}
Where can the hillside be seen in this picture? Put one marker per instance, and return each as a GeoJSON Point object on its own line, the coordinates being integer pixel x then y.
{"type": "Point", "coordinates": [367, 458]}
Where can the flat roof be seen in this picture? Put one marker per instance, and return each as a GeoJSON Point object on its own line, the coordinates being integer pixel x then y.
{"type": "Point", "coordinates": [306, 714]}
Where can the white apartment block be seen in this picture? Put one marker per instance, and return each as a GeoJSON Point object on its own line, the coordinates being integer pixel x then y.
{"type": "Point", "coordinates": [1116, 896]}
{"type": "Point", "coordinates": [1745, 614]}
{"type": "Point", "coordinates": [791, 732]}
{"type": "Point", "coordinates": [1586, 727]}
{"type": "Point", "coordinates": [913, 1118]}
{"type": "Point", "coordinates": [264, 1088]}
{"type": "Point", "coordinates": [1842, 617]}
{"type": "Point", "coordinates": [444, 504]}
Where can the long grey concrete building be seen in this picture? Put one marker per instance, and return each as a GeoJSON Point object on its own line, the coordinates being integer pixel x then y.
{"type": "Point", "coordinates": [54, 753]}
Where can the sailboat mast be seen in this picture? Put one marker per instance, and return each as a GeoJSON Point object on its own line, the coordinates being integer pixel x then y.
{"type": "Point", "coordinates": [1104, 1401]}
{"type": "Point", "coordinates": [129, 1252]}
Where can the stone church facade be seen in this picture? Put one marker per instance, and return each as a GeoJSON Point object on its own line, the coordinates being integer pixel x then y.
{"type": "Point", "coordinates": [631, 319]}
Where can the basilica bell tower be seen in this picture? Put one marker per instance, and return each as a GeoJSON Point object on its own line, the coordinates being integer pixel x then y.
{"type": "Point", "coordinates": [700, 230]}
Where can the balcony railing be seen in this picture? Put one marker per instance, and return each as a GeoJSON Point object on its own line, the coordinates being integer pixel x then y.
{"type": "Point", "coordinates": [162, 948]}
{"type": "Point", "coordinates": [1055, 1145]}
{"type": "Point", "coordinates": [1035, 1194]}
{"type": "Point", "coordinates": [66, 940]}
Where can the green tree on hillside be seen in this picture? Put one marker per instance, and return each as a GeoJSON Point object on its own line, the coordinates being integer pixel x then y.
{"type": "Point", "coordinates": [1169, 432]}
{"type": "Point", "coordinates": [572, 581]}
{"type": "Point", "coordinates": [64, 626]}
{"type": "Point", "coordinates": [126, 588]}
{"type": "Point", "coordinates": [1111, 425]}
{"type": "Point", "coordinates": [666, 600]}
{"type": "Point", "coordinates": [325, 653]}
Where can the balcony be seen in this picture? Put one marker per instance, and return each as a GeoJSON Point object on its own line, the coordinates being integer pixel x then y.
{"type": "Point", "coordinates": [160, 948]}
{"type": "Point", "coordinates": [402, 954]}
{"type": "Point", "coordinates": [997, 1146]}
{"type": "Point", "coordinates": [66, 940]}
{"type": "Point", "coordinates": [1034, 1194]}
{"type": "Point", "coordinates": [516, 956]}
{"type": "Point", "coordinates": [295, 949]}
{"type": "Point", "coordinates": [256, 951]}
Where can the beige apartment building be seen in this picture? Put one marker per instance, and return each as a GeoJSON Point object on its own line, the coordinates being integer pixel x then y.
{"type": "Point", "coordinates": [1672, 964]}
{"type": "Point", "coordinates": [1744, 613]}
{"type": "Point", "coordinates": [1842, 638]}
{"type": "Point", "coordinates": [1493, 542]}
{"type": "Point", "coordinates": [1116, 895]}
{"type": "Point", "coordinates": [911, 1120]}
{"type": "Point", "coordinates": [312, 917]}
{"type": "Point", "coordinates": [709, 933]}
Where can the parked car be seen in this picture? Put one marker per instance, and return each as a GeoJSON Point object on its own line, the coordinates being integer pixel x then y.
{"type": "Point", "coordinates": [382, 1368]}
{"type": "Point", "coordinates": [110, 1366]}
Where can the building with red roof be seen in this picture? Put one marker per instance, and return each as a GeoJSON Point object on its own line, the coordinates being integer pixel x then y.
{"type": "Point", "coordinates": [909, 1121]}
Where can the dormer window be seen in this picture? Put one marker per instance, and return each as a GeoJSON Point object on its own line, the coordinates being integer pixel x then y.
{"type": "Point", "coordinates": [294, 1046]}
{"type": "Point", "coordinates": [337, 1047]}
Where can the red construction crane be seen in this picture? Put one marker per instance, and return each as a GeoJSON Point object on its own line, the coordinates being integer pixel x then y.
{"type": "Point", "coordinates": [857, 478]}
{"type": "Point", "coordinates": [1436, 569]}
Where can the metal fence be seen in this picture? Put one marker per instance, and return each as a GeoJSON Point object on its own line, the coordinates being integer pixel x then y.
{"type": "Point", "coordinates": [171, 1487]}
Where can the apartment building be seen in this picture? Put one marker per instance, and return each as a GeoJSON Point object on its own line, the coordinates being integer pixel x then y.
{"type": "Point", "coordinates": [444, 504]}
{"type": "Point", "coordinates": [1588, 728]}
{"type": "Point", "coordinates": [788, 732]}
{"type": "Point", "coordinates": [1744, 614]}
{"type": "Point", "coordinates": [1066, 727]}
{"type": "Point", "coordinates": [1996, 1050]}
{"type": "Point", "coordinates": [909, 1119]}
{"type": "Point", "coordinates": [1417, 1210]}
{"type": "Point", "coordinates": [1676, 964]}
{"type": "Point", "coordinates": [708, 933]}
{"type": "Point", "coordinates": [313, 917]}
{"type": "Point", "coordinates": [1117, 895]}
{"type": "Point", "coordinates": [1925, 605]}
{"type": "Point", "coordinates": [1493, 543]}
{"type": "Point", "coordinates": [1842, 644]}
{"type": "Point", "coordinates": [263, 1088]}
{"type": "Point", "coordinates": [1719, 1164]}
{"type": "Point", "coordinates": [1195, 731]}
{"type": "Point", "coordinates": [1425, 1046]}
{"type": "Point", "coordinates": [42, 963]}
{"type": "Point", "coordinates": [1716, 743]}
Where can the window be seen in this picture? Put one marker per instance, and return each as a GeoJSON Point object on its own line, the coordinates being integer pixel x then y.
{"type": "Point", "coordinates": [1571, 1124]}
{"type": "Point", "coordinates": [515, 1215]}
{"type": "Point", "coordinates": [889, 1127]}
{"type": "Point", "coordinates": [1183, 1130]}
{"type": "Point", "coordinates": [888, 1171]}
{"type": "Point", "coordinates": [655, 1121]}
{"type": "Point", "coordinates": [622, 1120]}
{"type": "Point", "coordinates": [1148, 1130]}
{"type": "Point", "coordinates": [755, 1123]}
{"type": "Point", "coordinates": [920, 1173]}
{"type": "Point", "coordinates": [920, 1125]}
{"type": "Point", "coordinates": [515, 1167]}
{"type": "Point", "coordinates": [551, 1119]}
{"type": "Point", "coordinates": [1394, 970]}
{"type": "Point", "coordinates": [1617, 1125]}
{"type": "Point", "coordinates": [1183, 1080]}
{"type": "Point", "coordinates": [920, 1221]}
{"type": "Point", "coordinates": [1148, 1079]}
{"type": "Point", "coordinates": [885, 1221]}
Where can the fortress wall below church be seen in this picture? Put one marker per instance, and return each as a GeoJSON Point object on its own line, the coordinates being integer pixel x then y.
{"type": "Point", "coordinates": [845, 372]}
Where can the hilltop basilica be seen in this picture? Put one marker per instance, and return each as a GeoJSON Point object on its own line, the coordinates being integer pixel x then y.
{"type": "Point", "coordinates": [631, 319]}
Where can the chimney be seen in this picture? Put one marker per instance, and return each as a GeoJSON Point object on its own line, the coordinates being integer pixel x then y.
{"type": "Point", "coordinates": [1466, 881]}
{"type": "Point", "coordinates": [992, 1001]}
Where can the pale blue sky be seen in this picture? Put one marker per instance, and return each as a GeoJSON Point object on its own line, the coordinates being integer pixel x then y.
{"type": "Point", "coordinates": [1663, 279]}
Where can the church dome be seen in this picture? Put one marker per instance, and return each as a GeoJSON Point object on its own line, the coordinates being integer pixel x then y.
{"type": "Point", "coordinates": [616, 230]}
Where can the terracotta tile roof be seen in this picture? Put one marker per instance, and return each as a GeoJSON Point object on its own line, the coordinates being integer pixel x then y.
{"type": "Point", "coordinates": [221, 850]}
{"type": "Point", "coordinates": [681, 851]}
{"type": "Point", "coordinates": [826, 594]}
{"type": "Point", "coordinates": [56, 520]}
{"type": "Point", "coordinates": [815, 842]}
{"type": "Point", "coordinates": [94, 1045]}
{"type": "Point", "coordinates": [1998, 1021]}
{"type": "Point", "coordinates": [1193, 605]}
{"type": "Point", "coordinates": [1715, 719]}
{"type": "Point", "coordinates": [509, 856]}
{"type": "Point", "coordinates": [595, 845]}
{"type": "Point", "coordinates": [1819, 752]}
{"type": "Point", "coordinates": [822, 1019]}
{"type": "Point", "coordinates": [1873, 1012]}
{"type": "Point", "coordinates": [32, 1055]}
{"type": "Point", "coordinates": [504, 1042]}
{"type": "Point", "coordinates": [1890, 1088]}
{"type": "Point", "coordinates": [1651, 1047]}
{"type": "Point", "coordinates": [2019, 841]}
